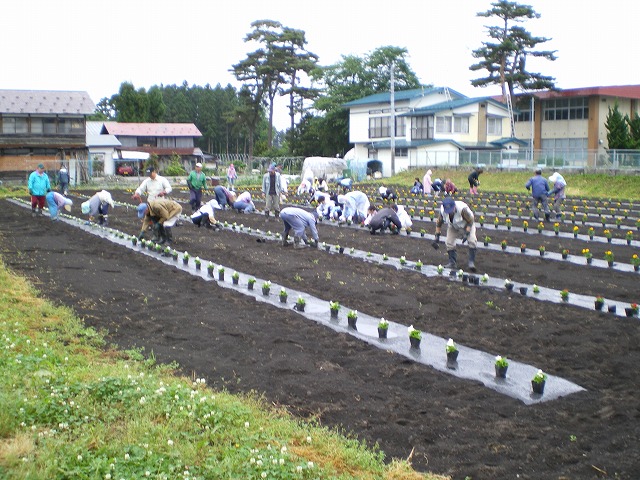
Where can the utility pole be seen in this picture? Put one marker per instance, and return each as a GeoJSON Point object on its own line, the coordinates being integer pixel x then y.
{"type": "Point", "coordinates": [393, 123]}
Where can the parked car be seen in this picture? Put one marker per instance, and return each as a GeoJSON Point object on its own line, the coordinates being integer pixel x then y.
{"type": "Point", "coordinates": [124, 170]}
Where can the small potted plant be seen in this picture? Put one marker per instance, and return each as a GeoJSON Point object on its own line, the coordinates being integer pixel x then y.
{"type": "Point", "coordinates": [535, 288]}
{"type": "Point", "coordinates": [484, 278]}
{"type": "Point", "coordinates": [283, 295]}
{"type": "Point", "coordinates": [422, 232]}
{"type": "Point", "coordinates": [439, 269]}
{"type": "Point", "coordinates": [352, 318]}
{"type": "Point", "coordinates": [210, 267]}
{"type": "Point", "coordinates": [418, 265]}
{"type": "Point", "coordinates": [501, 366]}
{"type": "Point", "coordinates": [452, 351]}
{"type": "Point", "coordinates": [598, 303]}
{"type": "Point", "coordinates": [334, 308]}
{"type": "Point", "coordinates": [556, 228]}
{"type": "Point", "coordinates": [221, 273]}
{"type": "Point", "coordinates": [607, 234]}
{"type": "Point", "coordinates": [541, 249]}
{"type": "Point", "coordinates": [235, 278]}
{"type": "Point", "coordinates": [481, 220]}
{"type": "Point", "coordinates": [540, 227]}
{"type": "Point", "coordinates": [631, 310]}
{"type": "Point", "coordinates": [198, 263]}
{"type": "Point", "coordinates": [565, 253]}
{"type": "Point", "coordinates": [628, 237]}
{"type": "Point", "coordinates": [575, 231]}
{"type": "Point", "coordinates": [591, 232]}
{"type": "Point", "coordinates": [564, 295]}
{"type": "Point", "coordinates": [496, 222]}
{"type": "Point", "coordinates": [415, 336]}
{"type": "Point", "coordinates": [587, 255]}
{"type": "Point", "coordinates": [383, 328]}
{"type": "Point", "coordinates": [300, 304]}
{"type": "Point", "coordinates": [508, 284]}
{"type": "Point", "coordinates": [523, 247]}
{"type": "Point", "coordinates": [166, 252]}
{"type": "Point", "coordinates": [134, 240]}
{"type": "Point", "coordinates": [385, 257]}
{"type": "Point", "coordinates": [503, 244]}
{"type": "Point", "coordinates": [525, 225]}
{"type": "Point", "coordinates": [538, 381]}
{"type": "Point", "coordinates": [250, 283]}
{"type": "Point", "coordinates": [403, 260]}
{"type": "Point", "coordinates": [635, 261]}
{"type": "Point", "coordinates": [487, 239]}
{"type": "Point", "coordinates": [608, 256]}
{"type": "Point", "coordinates": [185, 258]}
{"type": "Point", "coordinates": [266, 287]}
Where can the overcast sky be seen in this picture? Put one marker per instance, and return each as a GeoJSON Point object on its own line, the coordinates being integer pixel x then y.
{"type": "Point", "coordinates": [94, 46]}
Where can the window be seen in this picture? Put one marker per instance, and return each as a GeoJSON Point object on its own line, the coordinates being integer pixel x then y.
{"type": "Point", "coordinates": [36, 125]}
{"type": "Point", "coordinates": [460, 124]}
{"type": "Point", "coordinates": [146, 141]}
{"type": "Point", "coordinates": [566, 108]}
{"type": "Point", "coordinates": [443, 124]}
{"type": "Point", "coordinates": [421, 128]}
{"type": "Point", "coordinates": [379, 127]}
{"type": "Point", "coordinates": [402, 152]}
{"type": "Point", "coordinates": [8, 125]}
{"type": "Point", "coordinates": [372, 153]}
{"type": "Point", "coordinates": [401, 126]}
{"type": "Point", "coordinates": [49, 126]}
{"type": "Point", "coordinates": [494, 126]}
{"type": "Point", "coordinates": [523, 116]}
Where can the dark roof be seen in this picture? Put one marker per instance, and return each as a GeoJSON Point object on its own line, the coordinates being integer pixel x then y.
{"type": "Point", "coordinates": [45, 102]}
{"type": "Point", "coordinates": [385, 97]}
{"type": "Point", "coordinates": [503, 141]}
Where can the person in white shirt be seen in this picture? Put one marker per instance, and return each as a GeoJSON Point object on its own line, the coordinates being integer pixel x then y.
{"type": "Point", "coordinates": [153, 186]}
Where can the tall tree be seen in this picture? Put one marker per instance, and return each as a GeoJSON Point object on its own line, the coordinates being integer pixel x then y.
{"type": "Point", "coordinates": [617, 129]}
{"type": "Point", "coordinates": [156, 105]}
{"type": "Point", "coordinates": [131, 105]}
{"type": "Point", "coordinates": [505, 56]}
{"type": "Point", "coordinates": [275, 64]}
{"type": "Point", "coordinates": [634, 132]}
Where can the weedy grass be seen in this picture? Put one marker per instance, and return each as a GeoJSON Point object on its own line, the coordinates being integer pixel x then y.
{"type": "Point", "coordinates": [75, 408]}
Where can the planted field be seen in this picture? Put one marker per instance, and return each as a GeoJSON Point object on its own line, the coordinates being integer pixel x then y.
{"type": "Point", "coordinates": [452, 425]}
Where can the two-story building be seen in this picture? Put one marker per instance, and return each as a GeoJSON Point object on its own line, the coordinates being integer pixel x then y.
{"type": "Point", "coordinates": [568, 126]}
{"type": "Point", "coordinates": [432, 127]}
{"type": "Point", "coordinates": [162, 139]}
{"type": "Point", "coordinates": [43, 126]}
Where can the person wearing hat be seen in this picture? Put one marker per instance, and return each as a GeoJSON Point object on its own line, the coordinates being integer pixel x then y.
{"type": "Point", "coordinates": [55, 202]}
{"type": "Point", "coordinates": [298, 220]}
{"type": "Point", "coordinates": [539, 191]}
{"type": "Point", "coordinates": [98, 206]}
{"type": "Point", "coordinates": [244, 203]}
{"type": "Point", "coordinates": [160, 214]}
{"type": "Point", "coordinates": [196, 181]}
{"type": "Point", "coordinates": [231, 176]}
{"type": "Point", "coordinates": [271, 188]}
{"type": "Point", "coordinates": [153, 186]}
{"type": "Point", "coordinates": [63, 179]}
{"type": "Point", "coordinates": [558, 192]}
{"type": "Point", "coordinates": [39, 185]}
{"type": "Point", "coordinates": [205, 215]}
{"type": "Point", "coordinates": [355, 206]}
{"type": "Point", "coordinates": [460, 224]}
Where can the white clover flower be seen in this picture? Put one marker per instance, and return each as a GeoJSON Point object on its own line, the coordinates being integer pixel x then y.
{"type": "Point", "coordinates": [170, 442]}
{"type": "Point", "coordinates": [126, 456]}
{"type": "Point", "coordinates": [281, 461]}
{"type": "Point", "coordinates": [283, 449]}
{"type": "Point", "coordinates": [263, 474]}
{"type": "Point", "coordinates": [246, 424]}
{"type": "Point", "coordinates": [310, 464]}
{"type": "Point", "coordinates": [79, 458]}
{"type": "Point", "coordinates": [309, 438]}
{"type": "Point", "coordinates": [299, 469]}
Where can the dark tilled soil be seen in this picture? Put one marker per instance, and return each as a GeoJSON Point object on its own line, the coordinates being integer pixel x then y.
{"type": "Point", "coordinates": [453, 426]}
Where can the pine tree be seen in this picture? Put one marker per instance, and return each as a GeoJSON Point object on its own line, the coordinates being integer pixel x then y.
{"type": "Point", "coordinates": [617, 129]}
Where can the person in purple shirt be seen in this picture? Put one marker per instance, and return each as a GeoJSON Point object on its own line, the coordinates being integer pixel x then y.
{"type": "Point", "coordinates": [55, 202]}
{"type": "Point", "coordinates": [298, 220]}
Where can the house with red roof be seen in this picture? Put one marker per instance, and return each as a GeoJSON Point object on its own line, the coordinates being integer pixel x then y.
{"type": "Point", "coordinates": [140, 140]}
